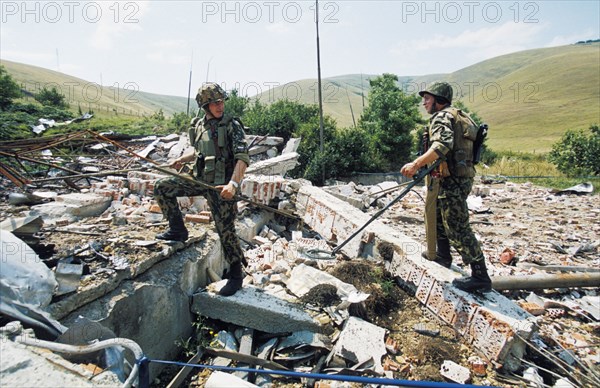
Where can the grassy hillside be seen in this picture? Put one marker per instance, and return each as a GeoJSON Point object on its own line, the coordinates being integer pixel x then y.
{"type": "Point", "coordinates": [103, 100]}
{"type": "Point", "coordinates": [528, 98]}
{"type": "Point", "coordinates": [532, 97]}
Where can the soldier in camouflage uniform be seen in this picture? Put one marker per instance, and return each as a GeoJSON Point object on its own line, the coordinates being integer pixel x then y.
{"type": "Point", "coordinates": [456, 180]}
{"type": "Point", "coordinates": [221, 158]}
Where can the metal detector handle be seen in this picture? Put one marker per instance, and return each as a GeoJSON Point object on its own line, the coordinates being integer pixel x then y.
{"type": "Point", "coordinates": [416, 179]}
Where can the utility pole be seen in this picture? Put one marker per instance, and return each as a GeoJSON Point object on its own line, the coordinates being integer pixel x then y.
{"type": "Point", "coordinates": [362, 94]}
{"type": "Point", "coordinates": [319, 86]}
{"type": "Point", "coordinates": [190, 85]}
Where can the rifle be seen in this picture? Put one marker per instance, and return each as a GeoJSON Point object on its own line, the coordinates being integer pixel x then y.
{"type": "Point", "coordinates": [478, 143]}
{"type": "Point", "coordinates": [423, 147]}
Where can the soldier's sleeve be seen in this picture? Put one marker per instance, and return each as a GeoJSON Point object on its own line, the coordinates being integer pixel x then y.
{"type": "Point", "coordinates": [441, 133]}
{"type": "Point", "coordinates": [239, 146]}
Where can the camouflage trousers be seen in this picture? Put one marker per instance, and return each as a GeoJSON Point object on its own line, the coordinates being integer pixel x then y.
{"type": "Point", "coordinates": [167, 190]}
{"type": "Point", "coordinates": [453, 218]}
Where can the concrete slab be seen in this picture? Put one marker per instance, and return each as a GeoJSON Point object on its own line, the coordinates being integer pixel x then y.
{"type": "Point", "coordinates": [253, 308]}
{"type": "Point", "coordinates": [72, 206]}
{"type": "Point", "coordinates": [304, 278]}
{"type": "Point", "coordinates": [24, 366]}
{"type": "Point", "coordinates": [331, 217]}
{"type": "Point", "coordinates": [278, 165]}
{"type": "Point", "coordinates": [359, 341]}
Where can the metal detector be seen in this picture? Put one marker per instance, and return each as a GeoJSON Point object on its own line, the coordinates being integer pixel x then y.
{"type": "Point", "coordinates": [320, 254]}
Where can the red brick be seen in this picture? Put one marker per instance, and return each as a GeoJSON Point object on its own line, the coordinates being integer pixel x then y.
{"type": "Point", "coordinates": [155, 209]}
{"type": "Point", "coordinates": [197, 218]}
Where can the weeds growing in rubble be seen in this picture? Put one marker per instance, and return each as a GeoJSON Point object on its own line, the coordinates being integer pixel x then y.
{"type": "Point", "coordinates": [203, 336]}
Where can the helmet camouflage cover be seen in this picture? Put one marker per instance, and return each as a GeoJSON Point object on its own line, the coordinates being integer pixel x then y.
{"type": "Point", "coordinates": [439, 89]}
{"type": "Point", "coordinates": [210, 92]}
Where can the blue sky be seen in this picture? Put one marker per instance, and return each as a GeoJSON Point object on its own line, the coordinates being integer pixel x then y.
{"type": "Point", "coordinates": [256, 45]}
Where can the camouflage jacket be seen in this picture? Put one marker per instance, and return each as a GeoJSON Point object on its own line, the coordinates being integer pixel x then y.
{"type": "Point", "coordinates": [447, 139]}
{"type": "Point", "coordinates": [219, 144]}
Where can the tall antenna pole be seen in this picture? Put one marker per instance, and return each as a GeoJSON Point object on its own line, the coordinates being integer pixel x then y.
{"type": "Point", "coordinates": [362, 94]}
{"type": "Point", "coordinates": [351, 110]}
{"type": "Point", "coordinates": [319, 84]}
{"type": "Point", "coordinates": [207, 69]}
{"type": "Point", "coordinates": [190, 85]}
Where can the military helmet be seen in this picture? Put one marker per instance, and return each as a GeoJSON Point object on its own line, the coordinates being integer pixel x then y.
{"type": "Point", "coordinates": [439, 89]}
{"type": "Point", "coordinates": [210, 92]}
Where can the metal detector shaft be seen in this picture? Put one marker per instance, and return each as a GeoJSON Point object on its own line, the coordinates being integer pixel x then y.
{"type": "Point", "coordinates": [416, 179]}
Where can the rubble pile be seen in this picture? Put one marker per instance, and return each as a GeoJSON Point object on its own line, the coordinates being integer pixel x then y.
{"type": "Point", "coordinates": [316, 314]}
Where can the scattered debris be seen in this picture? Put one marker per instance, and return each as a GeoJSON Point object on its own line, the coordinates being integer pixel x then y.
{"type": "Point", "coordinates": [105, 233]}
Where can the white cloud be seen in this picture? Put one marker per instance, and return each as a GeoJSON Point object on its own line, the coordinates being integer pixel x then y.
{"type": "Point", "coordinates": [562, 40]}
{"type": "Point", "coordinates": [170, 51]}
{"type": "Point", "coordinates": [480, 44]}
{"type": "Point", "coordinates": [113, 20]}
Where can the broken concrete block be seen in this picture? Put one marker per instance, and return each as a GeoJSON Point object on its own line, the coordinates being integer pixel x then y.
{"type": "Point", "coordinates": [303, 278]}
{"type": "Point", "coordinates": [22, 225]}
{"type": "Point", "coordinates": [251, 307]}
{"type": "Point", "coordinates": [360, 341]}
{"type": "Point", "coordinates": [278, 165]}
{"type": "Point", "coordinates": [291, 146]}
{"type": "Point", "coordinates": [74, 205]}
{"type": "Point", "coordinates": [454, 372]}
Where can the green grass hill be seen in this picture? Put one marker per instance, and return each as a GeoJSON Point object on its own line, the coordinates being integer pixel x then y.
{"type": "Point", "coordinates": [528, 98]}
{"type": "Point", "coordinates": [102, 100]}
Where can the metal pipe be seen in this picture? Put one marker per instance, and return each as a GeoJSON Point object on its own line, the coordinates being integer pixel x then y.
{"type": "Point", "coordinates": [84, 349]}
{"type": "Point", "coordinates": [540, 281]}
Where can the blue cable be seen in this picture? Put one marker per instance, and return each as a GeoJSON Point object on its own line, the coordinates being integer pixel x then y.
{"type": "Point", "coordinates": [321, 376]}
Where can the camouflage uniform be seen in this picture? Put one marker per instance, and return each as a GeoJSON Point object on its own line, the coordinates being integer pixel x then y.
{"type": "Point", "coordinates": [232, 147]}
{"type": "Point", "coordinates": [452, 212]}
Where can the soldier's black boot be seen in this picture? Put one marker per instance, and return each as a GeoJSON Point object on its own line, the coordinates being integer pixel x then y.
{"type": "Point", "coordinates": [442, 256]}
{"type": "Point", "coordinates": [479, 281]}
{"type": "Point", "coordinates": [236, 277]}
{"type": "Point", "coordinates": [176, 231]}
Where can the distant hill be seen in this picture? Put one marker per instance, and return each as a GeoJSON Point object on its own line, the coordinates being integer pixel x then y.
{"type": "Point", "coordinates": [528, 98]}
{"type": "Point", "coordinates": [103, 100]}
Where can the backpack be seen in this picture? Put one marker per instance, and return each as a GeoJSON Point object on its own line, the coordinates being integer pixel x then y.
{"type": "Point", "coordinates": [465, 134]}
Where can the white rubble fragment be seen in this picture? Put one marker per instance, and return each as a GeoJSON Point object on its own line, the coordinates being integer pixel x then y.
{"type": "Point", "coordinates": [225, 380]}
{"type": "Point", "coordinates": [455, 372]}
